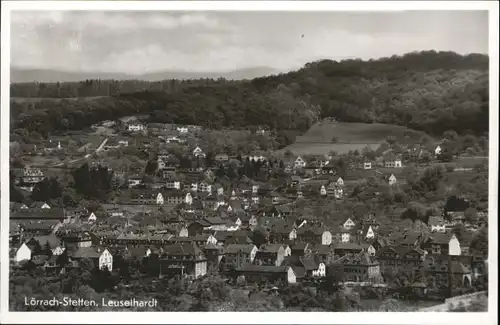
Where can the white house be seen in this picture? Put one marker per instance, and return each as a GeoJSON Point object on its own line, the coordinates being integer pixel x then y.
{"type": "Point", "coordinates": [182, 129]}
{"type": "Point", "coordinates": [346, 237]}
{"type": "Point", "coordinates": [136, 127]}
{"type": "Point", "coordinates": [58, 250]}
{"type": "Point", "coordinates": [349, 224]}
{"type": "Point", "coordinates": [92, 217]}
{"type": "Point", "coordinates": [299, 163]}
{"type": "Point", "coordinates": [106, 260]}
{"type": "Point", "coordinates": [197, 152]}
{"type": "Point", "coordinates": [437, 151]}
{"type": "Point", "coordinates": [322, 190]}
{"type": "Point", "coordinates": [45, 206]}
{"type": "Point", "coordinates": [454, 246]}
{"type": "Point", "coordinates": [326, 238]}
{"type": "Point", "coordinates": [339, 193]}
{"type": "Point", "coordinates": [23, 253]}
{"type": "Point", "coordinates": [320, 272]}
{"type": "Point", "coordinates": [437, 224]}
{"type": "Point", "coordinates": [370, 234]}
{"type": "Point", "coordinates": [188, 199]}
{"type": "Point", "coordinates": [367, 165]}
{"type": "Point", "coordinates": [392, 180]}
{"type": "Point", "coordinates": [340, 181]}
{"type": "Point", "coordinates": [159, 199]}
{"type": "Point", "coordinates": [255, 189]}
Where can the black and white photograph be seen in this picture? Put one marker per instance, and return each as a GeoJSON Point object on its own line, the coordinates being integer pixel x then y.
{"type": "Point", "coordinates": [224, 159]}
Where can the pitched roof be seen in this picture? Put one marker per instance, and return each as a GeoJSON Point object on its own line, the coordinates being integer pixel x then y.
{"type": "Point", "coordinates": [51, 239]}
{"type": "Point", "coordinates": [182, 249]}
{"type": "Point", "coordinates": [270, 248]}
{"type": "Point", "coordinates": [237, 248]}
{"type": "Point", "coordinates": [86, 252]}
{"type": "Point", "coordinates": [263, 268]}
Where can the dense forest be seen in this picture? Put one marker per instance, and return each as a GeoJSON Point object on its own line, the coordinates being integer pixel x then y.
{"type": "Point", "coordinates": [429, 91]}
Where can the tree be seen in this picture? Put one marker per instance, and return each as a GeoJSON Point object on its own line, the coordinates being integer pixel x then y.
{"type": "Point", "coordinates": [151, 167]}
{"type": "Point", "coordinates": [259, 236]}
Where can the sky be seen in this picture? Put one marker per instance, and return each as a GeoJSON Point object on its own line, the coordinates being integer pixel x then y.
{"type": "Point", "coordinates": [150, 41]}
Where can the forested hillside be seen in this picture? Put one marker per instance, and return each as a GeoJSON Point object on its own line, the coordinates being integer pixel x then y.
{"type": "Point", "coordinates": [429, 91]}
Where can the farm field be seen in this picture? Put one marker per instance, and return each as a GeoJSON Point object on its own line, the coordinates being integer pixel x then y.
{"type": "Point", "coordinates": [356, 132]}
{"type": "Point", "coordinates": [349, 136]}
{"type": "Point", "coordinates": [305, 148]}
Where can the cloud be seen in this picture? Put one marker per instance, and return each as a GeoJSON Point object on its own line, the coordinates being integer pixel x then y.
{"type": "Point", "coordinates": [111, 20]}
{"type": "Point", "coordinates": [139, 41]}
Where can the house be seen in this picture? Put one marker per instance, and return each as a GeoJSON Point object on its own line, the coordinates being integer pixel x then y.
{"type": "Point", "coordinates": [174, 197]}
{"type": "Point", "coordinates": [266, 274]}
{"type": "Point", "coordinates": [270, 254]}
{"type": "Point", "coordinates": [23, 253]}
{"type": "Point", "coordinates": [322, 190]}
{"type": "Point", "coordinates": [401, 257]}
{"type": "Point", "coordinates": [436, 224]}
{"type": "Point", "coordinates": [173, 185]}
{"type": "Point", "coordinates": [197, 152]}
{"type": "Point", "coordinates": [185, 259]}
{"type": "Point", "coordinates": [392, 161]}
{"type": "Point", "coordinates": [349, 223]}
{"type": "Point", "coordinates": [342, 249]}
{"type": "Point", "coordinates": [32, 175]}
{"type": "Point", "coordinates": [239, 255]}
{"type": "Point", "coordinates": [315, 235]}
{"type": "Point", "coordinates": [392, 180]}
{"type": "Point", "coordinates": [299, 163]}
{"type": "Point", "coordinates": [75, 239]}
{"type": "Point", "coordinates": [135, 127]}
{"type": "Point", "coordinates": [92, 217]}
{"type": "Point", "coordinates": [443, 244]}
{"type": "Point", "coordinates": [368, 232]}
{"type": "Point", "coordinates": [182, 129]}
{"type": "Point", "coordinates": [367, 165]}
{"type": "Point", "coordinates": [102, 258]}
{"type": "Point", "coordinates": [461, 275]}
{"type": "Point", "coordinates": [40, 205]}
{"type": "Point", "coordinates": [39, 214]}
{"type": "Point", "coordinates": [205, 187]}
{"type": "Point", "coordinates": [437, 151]}
{"type": "Point", "coordinates": [356, 268]}
{"type": "Point", "coordinates": [282, 233]}
{"type": "Point", "coordinates": [340, 182]}
{"type": "Point", "coordinates": [134, 181]}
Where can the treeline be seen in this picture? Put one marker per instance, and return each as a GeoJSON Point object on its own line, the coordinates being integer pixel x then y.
{"type": "Point", "coordinates": [428, 91]}
{"type": "Point", "coordinates": [99, 87]}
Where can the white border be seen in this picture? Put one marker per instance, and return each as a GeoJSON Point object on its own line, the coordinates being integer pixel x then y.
{"type": "Point", "coordinates": [253, 318]}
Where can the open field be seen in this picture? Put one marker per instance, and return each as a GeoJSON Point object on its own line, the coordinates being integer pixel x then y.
{"type": "Point", "coordinates": [356, 132]}
{"type": "Point", "coordinates": [324, 148]}
{"type": "Point", "coordinates": [349, 136]}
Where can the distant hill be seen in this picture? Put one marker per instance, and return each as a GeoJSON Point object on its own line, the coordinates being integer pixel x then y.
{"type": "Point", "coordinates": [427, 91]}
{"type": "Point", "coordinates": [18, 75]}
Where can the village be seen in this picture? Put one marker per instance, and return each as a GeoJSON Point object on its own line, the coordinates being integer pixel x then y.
{"type": "Point", "coordinates": [252, 217]}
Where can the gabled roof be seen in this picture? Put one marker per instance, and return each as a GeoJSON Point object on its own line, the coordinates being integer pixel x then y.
{"type": "Point", "coordinates": [86, 252]}
{"type": "Point", "coordinates": [182, 249]}
{"type": "Point", "coordinates": [270, 248]}
{"type": "Point", "coordinates": [237, 248]}
{"type": "Point", "coordinates": [263, 268]}
{"type": "Point", "coordinates": [51, 239]}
